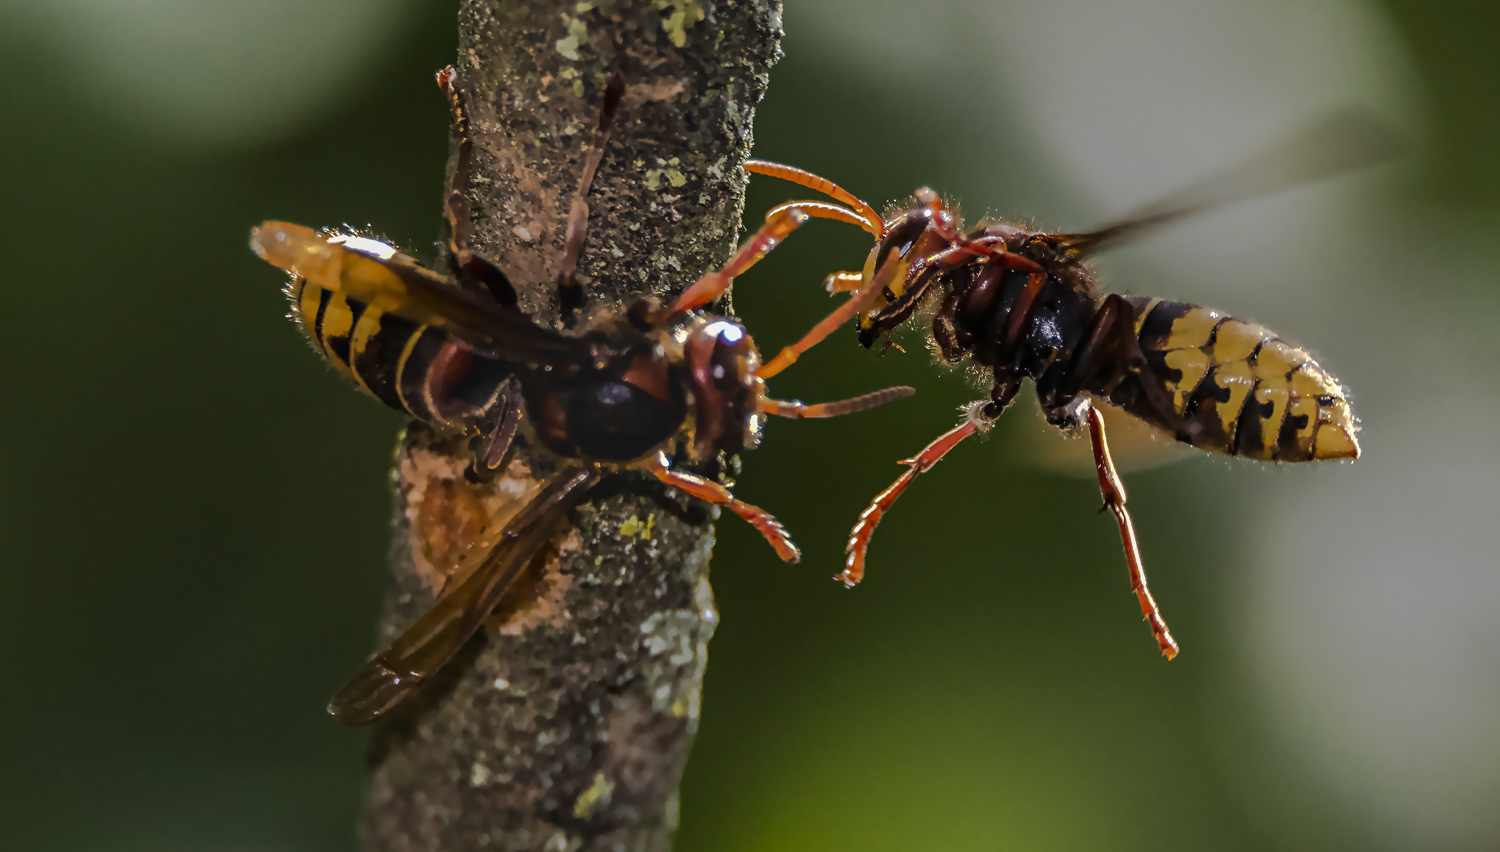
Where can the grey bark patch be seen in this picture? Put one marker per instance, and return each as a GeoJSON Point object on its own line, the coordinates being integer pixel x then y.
{"type": "Point", "coordinates": [584, 745]}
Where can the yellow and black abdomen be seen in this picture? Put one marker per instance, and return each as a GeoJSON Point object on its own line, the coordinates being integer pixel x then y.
{"type": "Point", "coordinates": [416, 369]}
{"type": "Point", "coordinates": [1237, 388]}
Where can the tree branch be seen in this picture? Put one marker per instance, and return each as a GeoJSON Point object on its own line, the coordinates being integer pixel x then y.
{"type": "Point", "coordinates": [568, 727]}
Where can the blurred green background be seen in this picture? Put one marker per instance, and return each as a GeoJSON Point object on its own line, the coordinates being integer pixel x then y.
{"type": "Point", "coordinates": [194, 511]}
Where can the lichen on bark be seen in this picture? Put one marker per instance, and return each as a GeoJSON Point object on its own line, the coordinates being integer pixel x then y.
{"type": "Point", "coordinates": [566, 726]}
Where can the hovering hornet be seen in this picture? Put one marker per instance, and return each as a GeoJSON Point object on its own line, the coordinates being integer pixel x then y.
{"type": "Point", "coordinates": [1020, 304]}
{"type": "Point", "coordinates": [625, 393]}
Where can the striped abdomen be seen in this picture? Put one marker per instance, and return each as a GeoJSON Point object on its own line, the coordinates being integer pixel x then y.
{"type": "Point", "coordinates": [1238, 389]}
{"type": "Point", "coordinates": [413, 368]}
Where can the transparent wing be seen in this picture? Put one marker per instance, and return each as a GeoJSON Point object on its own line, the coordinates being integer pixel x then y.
{"type": "Point", "coordinates": [1332, 145]}
{"type": "Point", "coordinates": [375, 273]}
{"type": "Point", "coordinates": [417, 654]}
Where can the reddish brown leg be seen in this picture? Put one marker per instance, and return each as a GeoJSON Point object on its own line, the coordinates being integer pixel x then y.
{"type": "Point", "coordinates": [963, 247]}
{"type": "Point", "coordinates": [821, 210]}
{"type": "Point", "coordinates": [1112, 340]}
{"type": "Point", "coordinates": [1114, 500]}
{"type": "Point", "coordinates": [870, 220]}
{"type": "Point", "coordinates": [796, 409]}
{"type": "Point", "coordinates": [505, 432]}
{"type": "Point", "coordinates": [778, 224]}
{"type": "Point", "coordinates": [1020, 316]}
{"type": "Point", "coordinates": [942, 220]}
{"type": "Point", "coordinates": [858, 302]}
{"type": "Point", "coordinates": [922, 274]}
{"type": "Point", "coordinates": [843, 282]}
{"type": "Point", "coordinates": [713, 492]}
{"type": "Point", "coordinates": [986, 247]}
{"type": "Point", "coordinates": [838, 282]}
{"type": "Point", "coordinates": [859, 537]}
{"type": "Point", "coordinates": [569, 291]}
{"type": "Point", "coordinates": [456, 206]}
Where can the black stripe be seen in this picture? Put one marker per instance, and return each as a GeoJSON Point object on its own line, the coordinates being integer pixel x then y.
{"type": "Point", "coordinates": [376, 360]}
{"type": "Point", "coordinates": [1255, 353]}
{"type": "Point", "coordinates": [412, 380]}
{"type": "Point", "coordinates": [1171, 377]}
{"type": "Point", "coordinates": [1286, 442]}
{"type": "Point", "coordinates": [324, 296]}
{"type": "Point", "coordinates": [338, 346]}
{"type": "Point", "coordinates": [1208, 429]}
{"type": "Point", "coordinates": [1208, 387]}
{"type": "Point", "coordinates": [1140, 302]}
{"type": "Point", "coordinates": [1213, 335]}
{"type": "Point", "coordinates": [1156, 329]}
{"type": "Point", "coordinates": [1250, 422]}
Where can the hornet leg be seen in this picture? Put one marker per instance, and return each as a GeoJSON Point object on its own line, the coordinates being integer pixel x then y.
{"type": "Point", "coordinates": [569, 291]}
{"type": "Point", "coordinates": [857, 302]}
{"type": "Point", "coordinates": [1114, 500]}
{"type": "Point", "coordinates": [870, 518]}
{"type": "Point", "coordinates": [779, 223]}
{"type": "Point", "coordinates": [868, 218]}
{"type": "Point", "coordinates": [712, 492]}
{"type": "Point", "coordinates": [456, 205]}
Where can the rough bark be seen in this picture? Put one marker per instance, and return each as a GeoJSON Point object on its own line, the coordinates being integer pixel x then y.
{"type": "Point", "coordinates": [568, 726]}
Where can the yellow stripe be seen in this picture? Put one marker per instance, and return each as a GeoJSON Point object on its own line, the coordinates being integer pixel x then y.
{"type": "Point", "coordinates": [1310, 380]}
{"type": "Point", "coordinates": [337, 320]}
{"type": "Point", "coordinates": [1140, 318]}
{"type": "Point", "coordinates": [1303, 442]}
{"type": "Point", "coordinates": [1277, 360]}
{"type": "Point", "coordinates": [1192, 329]}
{"type": "Point", "coordinates": [1193, 364]}
{"type": "Point", "coordinates": [369, 324]}
{"type": "Point", "coordinates": [411, 345]}
{"type": "Point", "coordinates": [1238, 380]}
{"type": "Point", "coordinates": [1236, 340]}
{"type": "Point", "coordinates": [307, 308]}
{"type": "Point", "coordinates": [1273, 391]}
